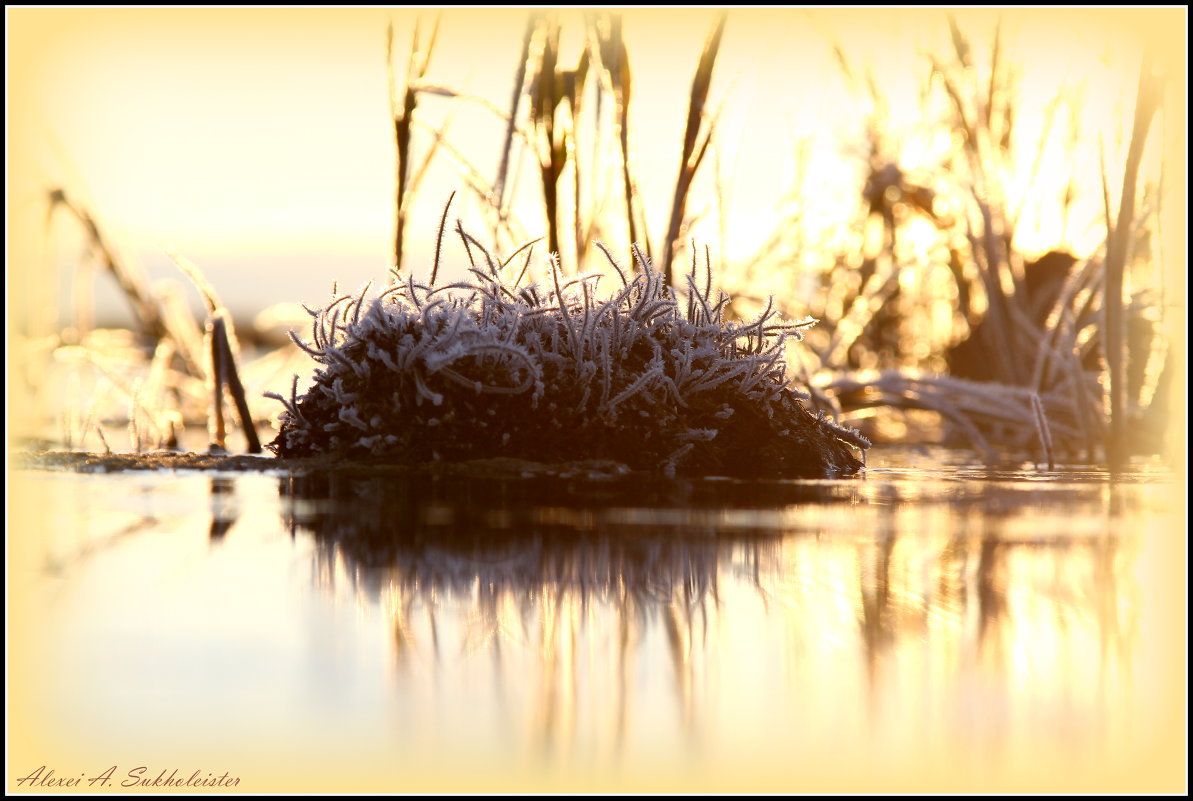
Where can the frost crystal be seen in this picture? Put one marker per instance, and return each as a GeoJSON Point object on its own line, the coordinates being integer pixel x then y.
{"type": "Point", "coordinates": [486, 367]}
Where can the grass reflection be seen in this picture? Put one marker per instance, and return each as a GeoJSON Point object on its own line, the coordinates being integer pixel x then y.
{"type": "Point", "coordinates": [591, 617]}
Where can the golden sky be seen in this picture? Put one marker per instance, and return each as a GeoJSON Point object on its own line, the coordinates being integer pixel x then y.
{"type": "Point", "coordinates": [256, 142]}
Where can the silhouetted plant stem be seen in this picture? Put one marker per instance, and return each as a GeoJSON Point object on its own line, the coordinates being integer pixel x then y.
{"type": "Point", "coordinates": [1147, 101]}
{"type": "Point", "coordinates": [694, 146]}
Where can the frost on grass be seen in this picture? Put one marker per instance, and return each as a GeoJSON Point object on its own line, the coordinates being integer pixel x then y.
{"type": "Point", "coordinates": [490, 367]}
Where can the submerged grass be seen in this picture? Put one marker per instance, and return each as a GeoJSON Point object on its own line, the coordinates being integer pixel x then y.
{"type": "Point", "coordinates": [490, 367]}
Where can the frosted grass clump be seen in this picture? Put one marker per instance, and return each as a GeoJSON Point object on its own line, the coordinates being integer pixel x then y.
{"type": "Point", "coordinates": [487, 367]}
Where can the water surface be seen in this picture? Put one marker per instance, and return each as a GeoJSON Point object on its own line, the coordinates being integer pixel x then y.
{"type": "Point", "coordinates": [933, 625]}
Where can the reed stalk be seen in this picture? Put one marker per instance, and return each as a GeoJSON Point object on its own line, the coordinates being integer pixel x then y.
{"type": "Point", "coordinates": [403, 117]}
{"type": "Point", "coordinates": [144, 308]}
{"type": "Point", "coordinates": [1147, 102]}
{"type": "Point", "coordinates": [613, 59]}
{"type": "Point", "coordinates": [697, 135]}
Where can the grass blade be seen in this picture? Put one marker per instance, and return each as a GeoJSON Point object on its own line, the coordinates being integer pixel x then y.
{"type": "Point", "coordinates": [1147, 102]}
{"type": "Point", "coordinates": [692, 155]}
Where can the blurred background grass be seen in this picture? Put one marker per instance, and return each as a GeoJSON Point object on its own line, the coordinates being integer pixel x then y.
{"type": "Point", "coordinates": [853, 162]}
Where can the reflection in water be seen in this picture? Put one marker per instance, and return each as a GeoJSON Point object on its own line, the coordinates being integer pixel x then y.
{"type": "Point", "coordinates": [223, 507]}
{"type": "Point", "coordinates": [498, 634]}
{"type": "Point", "coordinates": [567, 568]}
{"type": "Point", "coordinates": [947, 612]}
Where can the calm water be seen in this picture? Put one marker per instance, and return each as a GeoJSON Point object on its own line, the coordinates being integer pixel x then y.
{"type": "Point", "coordinates": [933, 625]}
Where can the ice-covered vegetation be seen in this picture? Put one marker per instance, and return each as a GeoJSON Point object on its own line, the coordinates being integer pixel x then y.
{"type": "Point", "coordinates": [490, 366]}
{"type": "Point", "coordinates": [939, 321]}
